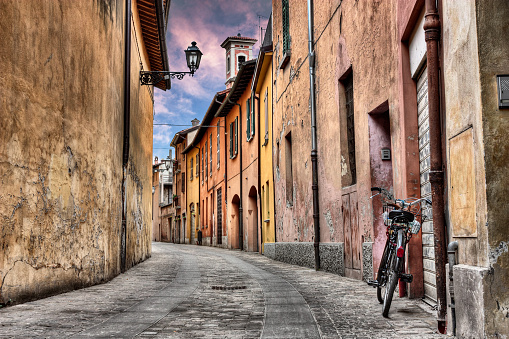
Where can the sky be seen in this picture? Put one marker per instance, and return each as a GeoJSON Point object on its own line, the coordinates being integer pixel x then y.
{"type": "Point", "coordinates": [209, 23]}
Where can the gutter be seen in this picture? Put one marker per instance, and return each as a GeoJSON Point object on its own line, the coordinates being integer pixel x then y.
{"type": "Point", "coordinates": [314, 153]}
{"type": "Point", "coordinates": [127, 128]}
{"type": "Point", "coordinates": [436, 173]}
{"type": "Point", "coordinates": [241, 218]}
{"type": "Point", "coordinates": [161, 27]}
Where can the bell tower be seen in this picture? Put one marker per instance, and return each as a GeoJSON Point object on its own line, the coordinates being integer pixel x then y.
{"type": "Point", "coordinates": [239, 49]}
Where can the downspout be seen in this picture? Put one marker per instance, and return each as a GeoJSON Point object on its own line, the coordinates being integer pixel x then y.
{"type": "Point", "coordinates": [127, 123]}
{"type": "Point", "coordinates": [241, 217]}
{"type": "Point", "coordinates": [197, 209]}
{"type": "Point", "coordinates": [272, 151]}
{"type": "Point", "coordinates": [452, 248]}
{"type": "Point", "coordinates": [260, 218]}
{"type": "Point", "coordinates": [436, 174]}
{"type": "Point", "coordinates": [225, 193]}
{"type": "Point", "coordinates": [314, 153]}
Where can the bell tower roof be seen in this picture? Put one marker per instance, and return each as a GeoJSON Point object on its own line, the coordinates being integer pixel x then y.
{"type": "Point", "coordinates": [239, 49]}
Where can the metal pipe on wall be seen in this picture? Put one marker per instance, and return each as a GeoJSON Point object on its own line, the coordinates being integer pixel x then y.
{"type": "Point", "coordinates": [314, 152]}
{"type": "Point", "coordinates": [241, 221]}
{"type": "Point", "coordinates": [436, 175]}
{"type": "Point", "coordinates": [127, 128]}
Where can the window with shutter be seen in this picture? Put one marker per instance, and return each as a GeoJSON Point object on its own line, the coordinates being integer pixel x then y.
{"type": "Point", "coordinates": [183, 182]}
{"type": "Point", "coordinates": [248, 119]}
{"type": "Point", "coordinates": [286, 33]}
{"type": "Point", "coordinates": [266, 107]}
{"type": "Point", "coordinates": [218, 145]}
{"type": "Point", "coordinates": [236, 135]}
{"type": "Point", "coordinates": [198, 164]}
{"type": "Point", "coordinates": [191, 167]}
{"type": "Point", "coordinates": [252, 115]}
{"type": "Point", "coordinates": [231, 140]}
{"type": "Point", "coordinates": [206, 162]}
{"type": "Point", "coordinates": [210, 145]}
{"type": "Point", "coordinates": [202, 166]}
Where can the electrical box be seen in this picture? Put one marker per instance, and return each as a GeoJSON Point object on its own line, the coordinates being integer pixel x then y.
{"type": "Point", "coordinates": [386, 154]}
{"type": "Point", "coordinates": [503, 91]}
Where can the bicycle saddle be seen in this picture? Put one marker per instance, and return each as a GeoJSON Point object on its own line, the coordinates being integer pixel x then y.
{"type": "Point", "coordinates": [396, 215]}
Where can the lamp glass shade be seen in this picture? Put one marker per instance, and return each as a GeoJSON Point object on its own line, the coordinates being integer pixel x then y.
{"type": "Point", "coordinates": [193, 57]}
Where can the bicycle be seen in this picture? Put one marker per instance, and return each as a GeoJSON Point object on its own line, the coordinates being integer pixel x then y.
{"type": "Point", "coordinates": [399, 217]}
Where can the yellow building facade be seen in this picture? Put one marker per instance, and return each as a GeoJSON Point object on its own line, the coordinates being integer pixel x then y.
{"type": "Point", "coordinates": [263, 91]}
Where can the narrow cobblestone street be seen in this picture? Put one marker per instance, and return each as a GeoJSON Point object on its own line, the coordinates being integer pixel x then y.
{"type": "Point", "coordinates": [187, 291]}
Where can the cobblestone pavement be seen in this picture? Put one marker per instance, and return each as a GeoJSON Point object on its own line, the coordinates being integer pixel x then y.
{"type": "Point", "coordinates": [187, 291]}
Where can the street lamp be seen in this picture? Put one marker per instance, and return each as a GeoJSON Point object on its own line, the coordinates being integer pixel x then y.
{"type": "Point", "coordinates": [193, 58]}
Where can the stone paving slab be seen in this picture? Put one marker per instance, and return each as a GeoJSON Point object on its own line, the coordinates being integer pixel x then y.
{"type": "Point", "coordinates": [187, 291]}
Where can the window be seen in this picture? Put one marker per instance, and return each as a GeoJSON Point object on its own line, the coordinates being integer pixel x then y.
{"type": "Point", "coordinates": [228, 64]}
{"type": "Point", "coordinates": [198, 164]}
{"type": "Point", "coordinates": [240, 60]}
{"type": "Point", "coordinates": [236, 135]}
{"type": "Point", "coordinates": [286, 33]}
{"type": "Point", "coordinates": [218, 145]}
{"type": "Point", "coordinates": [289, 169]}
{"type": "Point", "coordinates": [202, 167]}
{"type": "Point", "coordinates": [248, 119]}
{"type": "Point", "coordinates": [191, 167]}
{"type": "Point", "coordinates": [266, 108]}
{"type": "Point", "coordinates": [234, 127]}
{"type": "Point", "coordinates": [183, 182]}
{"type": "Point", "coordinates": [210, 145]}
{"type": "Point", "coordinates": [206, 161]}
{"type": "Point", "coordinates": [348, 123]}
{"type": "Point", "coordinates": [267, 201]}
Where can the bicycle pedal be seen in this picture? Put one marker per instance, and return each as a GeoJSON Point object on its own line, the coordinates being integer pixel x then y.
{"type": "Point", "coordinates": [373, 283]}
{"type": "Point", "coordinates": [408, 278]}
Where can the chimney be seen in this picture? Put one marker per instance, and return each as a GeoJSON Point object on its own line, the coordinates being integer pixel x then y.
{"type": "Point", "coordinates": [170, 156]}
{"type": "Point", "coordinates": [195, 122]}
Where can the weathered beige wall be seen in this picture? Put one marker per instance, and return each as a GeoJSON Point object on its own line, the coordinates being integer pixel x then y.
{"type": "Point", "coordinates": [493, 45]}
{"type": "Point", "coordinates": [61, 116]}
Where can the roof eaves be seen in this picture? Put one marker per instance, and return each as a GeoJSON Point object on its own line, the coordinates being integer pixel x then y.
{"type": "Point", "coordinates": [245, 73]}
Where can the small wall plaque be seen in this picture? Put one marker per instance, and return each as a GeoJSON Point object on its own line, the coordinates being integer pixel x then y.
{"type": "Point", "coordinates": [386, 154]}
{"type": "Point", "coordinates": [503, 91]}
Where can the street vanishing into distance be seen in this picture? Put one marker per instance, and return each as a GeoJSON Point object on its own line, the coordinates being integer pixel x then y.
{"type": "Point", "coordinates": [189, 291]}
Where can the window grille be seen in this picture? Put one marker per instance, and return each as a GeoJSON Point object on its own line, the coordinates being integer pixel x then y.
{"type": "Point", "coordinates": [350, 123]}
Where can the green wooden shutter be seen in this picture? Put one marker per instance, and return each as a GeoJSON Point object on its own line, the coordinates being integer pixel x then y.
{"type": "Point", "coordinates": [231, 140]}
{"type": "Point", "coordinates": [252, 116]}
{"type": "Point", "coordinates": [286, 26]}
{"type": "Point", "coordinates": [236, 135]}
{"type": "Point", "coordinates": [248, 119]}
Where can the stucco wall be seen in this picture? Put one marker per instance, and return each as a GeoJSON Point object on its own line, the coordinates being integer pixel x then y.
{"type": "Point", "coordinates": [493, 46]}
{"type": "Point", "coordinates": [61, 116]}
{"type": "Point", "coordinates": [371, 52]}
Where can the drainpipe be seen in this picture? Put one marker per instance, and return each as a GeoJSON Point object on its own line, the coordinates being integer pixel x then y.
{"type": "Point", "coordinates": [241, 217]}
{"type": "Point", "coordinates": [436, 175]}
{"type": "Point", "coordinates": [225, 191]}
{"type": "Point", "coordinates": [127, 123]}
{"type": "Point", "coordinates": [314, 153]}
{"type": "Point", "coordinates": [451, 256]}
{"type": "Point", "coordinates": [260, 219]}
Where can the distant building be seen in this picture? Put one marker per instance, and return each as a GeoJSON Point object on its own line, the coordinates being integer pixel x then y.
{"type": "Point", "coordinates": [162, 193]}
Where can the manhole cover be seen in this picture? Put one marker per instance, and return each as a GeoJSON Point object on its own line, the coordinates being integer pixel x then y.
{"type": "Point", "coordinates": [228, 288]}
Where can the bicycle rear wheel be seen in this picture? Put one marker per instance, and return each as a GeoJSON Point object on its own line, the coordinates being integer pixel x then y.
{"type": "Point", "coordinates": [382, 274]}
{"type": "Point", "coordinates": [389, 288]}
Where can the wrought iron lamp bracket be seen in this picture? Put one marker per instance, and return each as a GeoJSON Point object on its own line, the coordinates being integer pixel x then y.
{"type": "Point", "coordinates": [153, 77]}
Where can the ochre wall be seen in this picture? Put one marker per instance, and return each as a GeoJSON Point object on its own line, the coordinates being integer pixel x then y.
{"type": "Point", "coordinates": [61, 115]}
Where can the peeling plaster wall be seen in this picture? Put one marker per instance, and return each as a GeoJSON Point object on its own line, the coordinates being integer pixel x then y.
{"type": "Point", "coordinates": [61, 116]}
{"type": "Point", "coordinates": [371, 51]}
